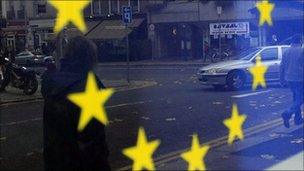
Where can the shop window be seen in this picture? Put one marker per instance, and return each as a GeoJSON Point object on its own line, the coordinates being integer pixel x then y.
{"type": "Point", "coordinates": [114, 6]}
{"type": "Point", "coordinates": [87, 11]}
{"type": "Point", "coordinates": [96, 7]}
{"type": "Point", "coordinates": [41, 8]}
{"type": "Point", "coordinates": [21, 12]}
{"type": "Point", "coordinates": [11, 13]}
{"type": "Point", "coordinates": [269, 54]}
{"type": "Point", "coordinates": [134, 5]}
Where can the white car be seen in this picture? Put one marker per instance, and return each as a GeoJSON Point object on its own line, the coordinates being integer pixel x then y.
{"type": "Point", "coordinates": [235, 74]}
{"type": "Point", "coordinates": [29, 58]}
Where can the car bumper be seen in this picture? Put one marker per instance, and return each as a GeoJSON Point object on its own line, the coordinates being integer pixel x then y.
{"type": "Point", "coordinates": [212, 79]}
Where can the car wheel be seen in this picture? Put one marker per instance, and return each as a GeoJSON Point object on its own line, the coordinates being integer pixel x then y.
{"type": "Point", "coordinates": [235, 80]}
{"type": "Point", "coordinates": [47, 61]}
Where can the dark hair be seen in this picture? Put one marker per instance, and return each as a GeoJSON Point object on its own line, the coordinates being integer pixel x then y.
{"type": "Point", "coordinates": [297, 39]}
{"type": "Point", "coordinates": [81, 51]}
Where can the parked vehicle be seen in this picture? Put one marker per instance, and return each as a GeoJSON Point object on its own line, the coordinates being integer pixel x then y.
{"type": "Point", "coordinates": [28, 58]}
{"type": "Point", "coordinates": [19, 77]}
{"type": "Point", "coordinates": [235, 74]}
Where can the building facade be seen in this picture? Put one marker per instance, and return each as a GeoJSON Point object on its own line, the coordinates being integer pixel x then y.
{"type": "Point", "coordinates": [178, 29]}
{"type": "Point", "coordinates": [30, 23]}
{"type": "Point", "coordinates": [181, 29]}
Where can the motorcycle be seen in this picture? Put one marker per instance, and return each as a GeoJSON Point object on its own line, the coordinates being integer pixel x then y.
{"type": "Point", "coordinates": [19, 77]}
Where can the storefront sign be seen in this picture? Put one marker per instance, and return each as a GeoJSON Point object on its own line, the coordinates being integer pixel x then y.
{"type": "Point", "coordinates": [229, 28]}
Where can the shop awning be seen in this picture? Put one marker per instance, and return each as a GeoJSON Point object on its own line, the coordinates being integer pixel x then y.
{"type": "Point", "coordinates": [72, 31]}
{"type": "Point", "coordinates": [113, 29]}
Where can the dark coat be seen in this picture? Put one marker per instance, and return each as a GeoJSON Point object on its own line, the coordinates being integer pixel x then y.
{"type": "Point", "coordinates": [64, 147]}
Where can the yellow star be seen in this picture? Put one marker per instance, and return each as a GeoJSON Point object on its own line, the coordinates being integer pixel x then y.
{"type": "Point", "coordinates": [234, 124]}
{"type": "Point", "coordinates": [265, 8]}
{"type": "Point", "coordinates": [141, 154]}
{"type": "Point", "coordinates": [91, 102]}
{"type": "Point", "coordinates": [258, 72]}
{"type": "Point", "coordinates": [69, 11]}
{"type": "Point", "coordinates": [195, 156]}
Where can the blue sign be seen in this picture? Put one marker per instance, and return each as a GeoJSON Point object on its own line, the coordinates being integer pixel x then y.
{"type": "Point", "coordinates": [127, 14]}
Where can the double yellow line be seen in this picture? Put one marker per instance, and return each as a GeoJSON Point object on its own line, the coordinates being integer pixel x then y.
{"type": "Point", "coordinates": [214, 143]}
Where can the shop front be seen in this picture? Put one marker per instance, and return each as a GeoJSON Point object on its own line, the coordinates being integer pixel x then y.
{"type": "Point", "coordinates": [15, 38]}
{"type": "Point", "coordinates": [42, 31]}
{"type": "Point", "coordinates": [110, 38]}
{"type": "Point", "coordinates": [233, 35]}
{"type": "Point", "coordinates": [177, 41]}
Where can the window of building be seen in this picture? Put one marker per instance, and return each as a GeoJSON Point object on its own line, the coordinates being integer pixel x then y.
{"type": "Point", "coordinates": [135, 5]}
{"type": "Point", "coordinates": [115, 6]}
{"type": "Point", "coordinates": [21, 12]}
{"type": "Point", "coordinates": [1, 14]}
{"type": "Point", "coordinates": [11, 12]}
{"type": "Point", "coordinates": [96, 5]}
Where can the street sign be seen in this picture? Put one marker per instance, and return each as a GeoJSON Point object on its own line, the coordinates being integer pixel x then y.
{"type": "Point", "coordinates": [127, 14]}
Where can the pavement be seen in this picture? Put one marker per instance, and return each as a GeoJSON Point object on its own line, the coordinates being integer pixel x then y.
{"type": "Point", "coordinates": [171, 111]}
{"type": "Point", "coordinates": [144, 63]}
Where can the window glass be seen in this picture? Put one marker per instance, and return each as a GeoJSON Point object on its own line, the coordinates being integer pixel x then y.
{"type": "Point", "coordinates": [284, 49]}
{"type": "Point", "coordinates": [269, 54]}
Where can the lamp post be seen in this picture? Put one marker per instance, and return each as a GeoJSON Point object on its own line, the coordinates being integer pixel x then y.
{"type": "Point", "coordinates": [219, 12]}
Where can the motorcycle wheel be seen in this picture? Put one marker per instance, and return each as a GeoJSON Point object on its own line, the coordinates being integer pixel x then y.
{"type": "Point", "coordinates": [32, 87]}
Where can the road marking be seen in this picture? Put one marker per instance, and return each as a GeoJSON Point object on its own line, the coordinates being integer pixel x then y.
{"type": "Point", "coordinates": [223, 140]}
{"type": "Point", "coordinates": [21, 122]}
{"type": "Point", "coordinates": [21, 102]}
{"type": "Point", "coordinates": [2, 138]}
{"type": "Point", "coordinates": [40, 99]}
{"type": "Point", "coordinates": [155, 68]}
{"type": "Point", "coordinates": [128, 104]}
{"type": "Point", "coordinates": [251, 94]}
{"type": "Point", "coordinates": [214, 143]}
{"type": "Point", "coordinates": [107, 107]}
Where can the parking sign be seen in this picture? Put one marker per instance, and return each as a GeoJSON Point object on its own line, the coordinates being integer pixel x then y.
{"type": "Point", "coordinates": [127, 14]}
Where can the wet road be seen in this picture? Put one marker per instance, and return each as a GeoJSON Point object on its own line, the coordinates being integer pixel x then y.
{"type": "Point", "coordinates": [171, 111]}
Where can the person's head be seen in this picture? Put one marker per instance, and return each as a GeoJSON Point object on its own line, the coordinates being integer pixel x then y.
{"type": "Point", "coordinates": [81, 52]}
{"type": "Point", "coordinates": [297, 40]}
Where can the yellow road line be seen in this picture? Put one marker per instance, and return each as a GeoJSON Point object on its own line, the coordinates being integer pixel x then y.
{"type": "Point", "coordinates": [215, 142]}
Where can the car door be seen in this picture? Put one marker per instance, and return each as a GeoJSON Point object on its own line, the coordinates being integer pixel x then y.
{"type": "Point", "coordinates": [270, 58]}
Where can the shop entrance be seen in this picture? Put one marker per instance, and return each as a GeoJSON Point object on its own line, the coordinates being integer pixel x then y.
{"type": "Point", "coordinates": [173, 43]}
